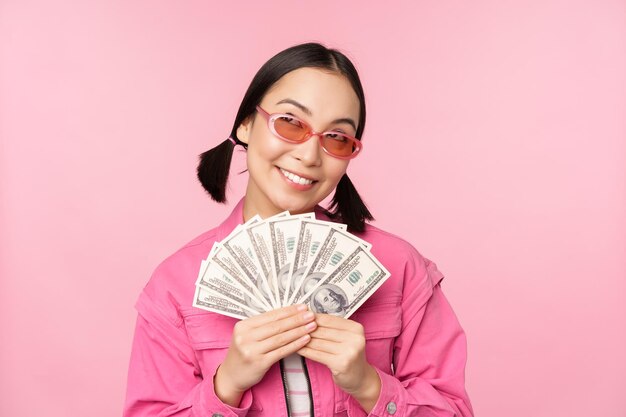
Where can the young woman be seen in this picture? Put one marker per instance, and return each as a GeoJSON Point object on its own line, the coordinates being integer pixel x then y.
{"type": "Point", "coordinates": [403, 351]}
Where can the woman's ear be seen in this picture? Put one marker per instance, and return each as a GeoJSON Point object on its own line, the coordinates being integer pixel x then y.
{"type": "Point", "coordinates": [243, 131]}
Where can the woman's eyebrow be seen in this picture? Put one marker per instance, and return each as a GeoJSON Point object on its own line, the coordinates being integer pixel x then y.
{"type": "Point", "coordinates": [307, 111]}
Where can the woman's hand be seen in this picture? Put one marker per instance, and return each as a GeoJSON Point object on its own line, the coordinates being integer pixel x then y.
{"type": "Point", "coordinates": [339, 344]}
{"type": "Point", "coordinates": [257, 343]}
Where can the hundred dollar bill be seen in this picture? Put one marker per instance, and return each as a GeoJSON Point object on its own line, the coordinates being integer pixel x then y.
{"type": "Point", "coordinates": [241, 248]}
{"type": "Point", "coordinates": [213, 278]}
{"type": "Point", "coordinates": [283, 236]}
{"type": "Point", "coordinates": [311, 235]}
{"type": "Point", "coordinates": [336, 247]}
{"type": "Point", "coordinates": [343, 291]}
{"type": "Point", "coordinates": [259, 235]}
{"type": "Point", "coordinates": [207, 300]}
{"type": "Point", "coordinates": [252, 288]}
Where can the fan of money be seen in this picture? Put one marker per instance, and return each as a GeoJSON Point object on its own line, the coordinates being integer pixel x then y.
{"type": "Point", "coordinates": [287, 259]}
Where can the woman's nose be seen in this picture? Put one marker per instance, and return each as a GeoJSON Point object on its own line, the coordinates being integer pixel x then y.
{"type": "Point", "coordinates": [310, 151]}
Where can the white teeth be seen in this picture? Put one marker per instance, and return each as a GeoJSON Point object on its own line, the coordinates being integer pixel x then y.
{"type": "Point", "coordinates": [295, 178]}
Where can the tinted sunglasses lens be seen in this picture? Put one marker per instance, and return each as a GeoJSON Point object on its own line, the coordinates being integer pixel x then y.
{"type": "Point", "coordinates": [338, 144]}
{"type": "Point", "coordinates": [290, 128]}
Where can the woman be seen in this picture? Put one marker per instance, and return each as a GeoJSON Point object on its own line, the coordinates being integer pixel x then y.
{"type": "Point", "coordinates": [403, 351]}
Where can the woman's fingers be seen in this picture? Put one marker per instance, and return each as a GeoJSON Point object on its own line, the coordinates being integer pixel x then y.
{"type": "Point", "coordinates": [339, 323]}
{"type": "Point", "coordinates": [286, 350]}
{"type": "Point", "coordinates": [278, 327]}
{"type": "Point", "coordinates": [320, 356]}
{"type": "Point", "coordinates": [285, 337]}
{"type": "Point", "coordinates": [330, 334]}
{"type": "Point", "coordinates": [275, 315]}
{"type": "Point", "coordinates": [327, 346]}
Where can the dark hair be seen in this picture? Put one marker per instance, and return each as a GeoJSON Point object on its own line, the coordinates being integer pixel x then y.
{"type": "Point", "coordinates": [346, 205]}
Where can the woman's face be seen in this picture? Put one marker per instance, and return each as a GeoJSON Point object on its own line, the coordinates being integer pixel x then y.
{"type": "Point", "coordinates": [271, 161]}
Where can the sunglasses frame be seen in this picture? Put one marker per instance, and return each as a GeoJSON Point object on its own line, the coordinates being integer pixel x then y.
{"type": "Point", "coordinates": [270, 124]}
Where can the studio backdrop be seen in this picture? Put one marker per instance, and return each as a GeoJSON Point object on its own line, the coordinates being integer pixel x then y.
{"type": "Point", "coordinates": [494, 143]}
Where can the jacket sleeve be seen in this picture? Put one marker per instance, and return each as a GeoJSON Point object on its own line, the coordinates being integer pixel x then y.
{"type": "Point", "coordinates": [164, 378]}
{"type": "Point", "coordinates": [429, 356]}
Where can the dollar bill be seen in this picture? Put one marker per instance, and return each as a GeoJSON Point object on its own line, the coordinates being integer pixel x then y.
{"type": "Point", "coordinates": [336, 247]}
{"type": "Point", "coordinates": [207, 300]}
{"type": "Point", "coordinates": [252, 288]}
{"type": "Point", "coordinates": [283, 236]}
{"type": "Point", "coordinates": [311, 236]}
{"type": "Point", "coordinates": [259, 235]}
{"type": "Point", "coordinates": [347, 287]}
{"type": "Point", "coordinates": [265, 264]}
{"type": "Point", "coordinates": [214, 279]}
{"type": "Point", "coordinates": [241, 248]}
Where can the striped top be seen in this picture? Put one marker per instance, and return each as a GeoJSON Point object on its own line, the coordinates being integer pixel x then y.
{"type": "Point", "coordinates": [298, 395]}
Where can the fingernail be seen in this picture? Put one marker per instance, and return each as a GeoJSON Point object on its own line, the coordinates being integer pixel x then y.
{"type": "Point", "coordinates": [308, 315]}
{"type": "Point", "coordinates": [301, 307]}
{"type": "Point", "coordinates": [312, 325]}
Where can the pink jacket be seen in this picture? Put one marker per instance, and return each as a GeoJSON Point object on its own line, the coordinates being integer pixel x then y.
{"type": "Point", "coordinates": [413, 339]}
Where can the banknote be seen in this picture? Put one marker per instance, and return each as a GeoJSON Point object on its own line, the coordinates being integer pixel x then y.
{"type": "Point", "coordinates": [242, 250]}
{"type": "Point", "coordinates": [347, 287]}
{"type": "Point", "coordinates": [311, 236]}
{"type": "Point", "coordinates": [283, 235]}
{"type": "Point", "coordinates": [336, 246]}
{"type": "Point", "coordinates": [215, 279]}
{"type": "Point", "coordinates": [269, 263]}
{"type": "Point", "coordinates": [259, 236]}
{"type": "Point", "coordinates": [252, 288]}
{"type": "Point", "coordinates": [207, 300]}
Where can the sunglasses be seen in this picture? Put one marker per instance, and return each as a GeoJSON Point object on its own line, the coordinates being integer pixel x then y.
{"type": "Point", "coordinates": [293, 130]}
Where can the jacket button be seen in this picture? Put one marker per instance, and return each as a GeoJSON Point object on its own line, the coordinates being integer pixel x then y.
{"type": "Point", "coordinates": [391, 407]}
{"type": "Point", "coordinates": [217, 415]}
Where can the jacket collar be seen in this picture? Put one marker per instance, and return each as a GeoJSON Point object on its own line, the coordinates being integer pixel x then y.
{"type": "Point", "coordinates": [236, 218]}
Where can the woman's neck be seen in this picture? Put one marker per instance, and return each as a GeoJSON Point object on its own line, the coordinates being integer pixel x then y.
{"type": "Point", "coordinates": [250, 209]}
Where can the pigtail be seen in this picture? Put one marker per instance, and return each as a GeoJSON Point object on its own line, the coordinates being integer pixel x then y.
{"type": "Point", "coordinates": [214, 168]}
{"type": "Point", "coordinates": [348, 207]}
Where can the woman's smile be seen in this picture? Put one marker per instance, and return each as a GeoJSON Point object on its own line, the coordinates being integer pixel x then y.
{"type": "Point", "coordinates": [298, 181]}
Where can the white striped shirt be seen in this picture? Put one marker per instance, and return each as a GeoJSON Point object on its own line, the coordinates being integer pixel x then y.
{"type": "Point", "coordinates": [297, 386]}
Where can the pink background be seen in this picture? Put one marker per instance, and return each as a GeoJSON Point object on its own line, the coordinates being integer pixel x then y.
{"type": "Point", "coordinates": [495, 143]}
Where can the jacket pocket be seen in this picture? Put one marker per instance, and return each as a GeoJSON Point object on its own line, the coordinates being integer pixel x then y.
{"type": "Point", "coordinates": [207, 330]}
{"type": "Point", "coordinates": [210, 335]}
{"type": "Point", "coordinates": [382, 319]}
